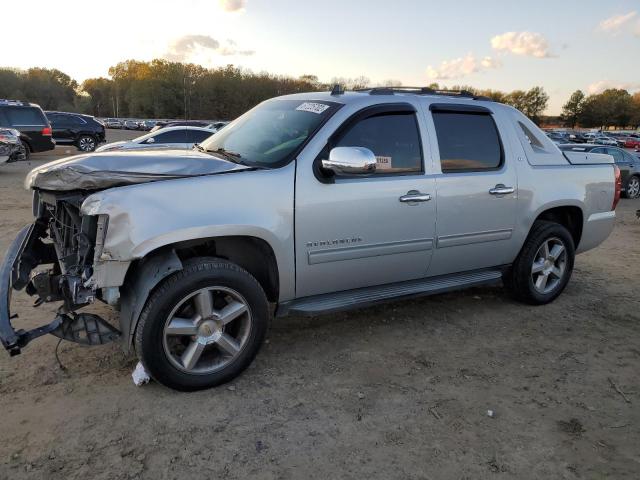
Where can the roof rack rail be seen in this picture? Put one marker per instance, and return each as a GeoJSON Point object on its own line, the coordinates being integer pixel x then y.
{"type": "Point", "coordinates": [5, 101]}
{"type": "Point", "coordinates": [422, 91]}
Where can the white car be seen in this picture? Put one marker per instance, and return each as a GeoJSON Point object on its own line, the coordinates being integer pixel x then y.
{"type": "Point", "coordinates": [170, 137]}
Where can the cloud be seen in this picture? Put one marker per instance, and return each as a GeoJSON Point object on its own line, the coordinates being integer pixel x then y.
{"type": "Point", "coordinates": [616, 23]}
{"type": "Point", "coordinates": [491, 62]}
{"type": "Point", "coordinates": [233, 5]}
{"type": "Point", "coordinates": [184, 47]}
{"type": "Point", "coordinates": [602, 85]}
{"type": "Point", "coordinates": [522, 43]}
{"type": "Point", "coordinates": [461, 67]}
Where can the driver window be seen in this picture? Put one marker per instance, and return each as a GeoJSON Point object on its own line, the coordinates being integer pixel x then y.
{"type": "Point", "coordinates": [392, 137]}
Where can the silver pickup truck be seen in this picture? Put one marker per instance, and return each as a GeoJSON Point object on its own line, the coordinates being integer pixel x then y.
{"type": "Point", "coordinates": [307, 204]}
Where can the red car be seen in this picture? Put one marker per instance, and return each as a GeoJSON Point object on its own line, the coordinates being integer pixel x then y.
{"type": "Point", "coordinates": [632, 142]}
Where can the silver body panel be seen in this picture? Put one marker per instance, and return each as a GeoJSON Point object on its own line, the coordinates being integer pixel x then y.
{"type": "Point", "coordinates": [356, 233]}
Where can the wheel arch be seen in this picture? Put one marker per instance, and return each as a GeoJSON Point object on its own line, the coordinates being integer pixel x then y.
{"type": "Point", "coordinates": [144, 275]}
{"type": "Point", "coordinates": [569, 216]}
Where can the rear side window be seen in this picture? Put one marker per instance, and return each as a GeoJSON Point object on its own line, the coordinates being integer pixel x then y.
{"type": "Point", "coordinates": [197, 136]}
{"type": "Point", "coordinates": [392, 137]}
{"type": "Point", "coordinates": [25, 116]}
{"type": "Point", "coordinates": [174, 136]}
{"type": "Point", "coordinates": [467, 141]}
{"type": "Point", "coordinates": [616, 154]}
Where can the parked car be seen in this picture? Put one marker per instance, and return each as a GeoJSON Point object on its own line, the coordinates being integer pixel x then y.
{"type": "Point", "coordinates": [131, 125]}
{"type": "Point", "coordinates": [113, 123]}
{"type": "Point", "coordinates": [82, 131]}
{"type": "Point", "coordinates": [180, 123]}
{"type": "Point", "coordinates": [311, 203]}
{"type": "Point", "coordinates": [172, 137]}
{"type": "Point", "coordinates": [631, 142]}
{"type": "Point", "coordinates": [30, 121]}
{"type": "Point", "coordinates": [557, 137]}
{"type": "Point", "coordinates": [146, 125]}
{"type": "Point", "coordinates": [606, 141]}
{"type": "Point", "coordinates": [628, 164]}
{"type": "Point", "coordinates": [11, 148]}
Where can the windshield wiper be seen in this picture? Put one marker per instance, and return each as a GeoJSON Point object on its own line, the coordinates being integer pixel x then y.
{"type": "Point", "coordinates": [199, 147]}
{"type": "Point", "coordinates": [226, 153]}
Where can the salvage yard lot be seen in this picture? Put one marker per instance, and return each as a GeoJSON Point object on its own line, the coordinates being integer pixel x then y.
{"type": "Point", "coordinates": [395, 391]}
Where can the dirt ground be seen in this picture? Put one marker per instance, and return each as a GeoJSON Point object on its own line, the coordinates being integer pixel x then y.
{"type": "Point", "coordinates": [400, 391]}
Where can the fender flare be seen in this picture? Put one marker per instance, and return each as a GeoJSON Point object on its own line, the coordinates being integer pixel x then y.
{"type": "Point", "coordinates": [145, 276]}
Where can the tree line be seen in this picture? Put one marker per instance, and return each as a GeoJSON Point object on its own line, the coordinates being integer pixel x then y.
{"type": "Point", "coordinates": [613, 107]}
{"type": "Point", "coordinates": [164, 89]}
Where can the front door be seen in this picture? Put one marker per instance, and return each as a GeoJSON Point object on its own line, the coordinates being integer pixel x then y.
{"type": "Point", "coordinates": [476, 191]}
{"type": "Point", "coordinates": [363, 230]}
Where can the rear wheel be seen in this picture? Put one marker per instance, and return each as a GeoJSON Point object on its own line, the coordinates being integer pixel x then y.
{"type": "Point", "coordinates": [86, 143]}
{"type": "Point", "coordinates": [632, 189]}
{"type": "Point", "coordinates": [202, 326]}
{"type": "Point", "coordinates": [544, 266]}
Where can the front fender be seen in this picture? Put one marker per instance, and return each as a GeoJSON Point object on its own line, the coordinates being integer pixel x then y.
{"type": "Point", "coordinates": [140, 282]}
{"type": "Point", "coordinates": [144, 218]}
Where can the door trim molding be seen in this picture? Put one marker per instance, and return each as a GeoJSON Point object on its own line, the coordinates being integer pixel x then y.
{"type": "Point", "coordinates": [474, 237]}
{"type": "Point", "coordinates": [364, 251]}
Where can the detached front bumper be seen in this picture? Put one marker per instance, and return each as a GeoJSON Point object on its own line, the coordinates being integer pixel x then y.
{"type": "Point", "coordinates": [25, 252]}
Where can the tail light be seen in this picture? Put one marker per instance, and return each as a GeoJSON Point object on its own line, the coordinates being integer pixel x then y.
{"type": "Point", "coordinates": [46, 131]}
{"type": "Point", "coordinates": [618, 187]}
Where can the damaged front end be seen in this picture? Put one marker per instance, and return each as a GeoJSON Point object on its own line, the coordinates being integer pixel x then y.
{"type": "Point", "coordinates": [66, 243]}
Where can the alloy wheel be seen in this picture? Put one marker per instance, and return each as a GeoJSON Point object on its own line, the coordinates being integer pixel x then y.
{"type": "Point", "coordinates": [549, 265]}
{"type": "Point", "coordinates": [87, 144]}
{"type": "Point", "coordinates": [207, 330]}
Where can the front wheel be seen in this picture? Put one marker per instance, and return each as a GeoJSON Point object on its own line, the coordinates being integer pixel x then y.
{"type": "Point", "coordinates": [544, 266]}
{"type": "Point", "coordinates": [633, 187]}
{"type": "Point", "coordinates": [203, 325]}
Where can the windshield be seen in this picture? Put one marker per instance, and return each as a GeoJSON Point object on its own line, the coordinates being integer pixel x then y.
{"type": "Point", "coordinates": [271, 133]}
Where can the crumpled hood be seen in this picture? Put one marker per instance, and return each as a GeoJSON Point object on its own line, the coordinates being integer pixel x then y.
{"type": "Point", "coordinates": [97, 171]}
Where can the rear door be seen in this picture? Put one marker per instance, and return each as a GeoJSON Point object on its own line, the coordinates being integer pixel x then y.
{"type": "Point", "coordinates": [476, 190]}
{"type": "Point", "coordinates": [61, 128]}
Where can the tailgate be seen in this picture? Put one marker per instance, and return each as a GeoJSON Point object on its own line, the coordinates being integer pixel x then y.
{"type": "Point", "coordinates": [587, 158]}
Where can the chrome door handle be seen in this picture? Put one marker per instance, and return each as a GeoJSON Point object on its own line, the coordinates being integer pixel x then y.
{"type": "Point", "coordinates": [501, 189]}
{"type": "Point", "coordinates": [415, 196]}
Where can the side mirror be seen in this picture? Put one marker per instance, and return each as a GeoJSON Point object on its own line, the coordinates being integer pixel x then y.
{"type": "Point", "coordinates": [150, 140]}
{"type": "Point", "coordinates": [350, 161]}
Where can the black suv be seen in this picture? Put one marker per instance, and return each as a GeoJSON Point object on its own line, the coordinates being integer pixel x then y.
{"type": "Point", "coordinates": [30, 121]}
{"type": "Point", "coordinates": [83, 131]}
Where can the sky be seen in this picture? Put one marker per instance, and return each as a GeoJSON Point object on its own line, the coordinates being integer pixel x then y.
{"type": "Point", "coordinates": [502, 45]}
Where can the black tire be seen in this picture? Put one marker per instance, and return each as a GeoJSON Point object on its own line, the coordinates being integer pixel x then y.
{"type": "Point", "coordinates": [519, 279]}
{"type": "Point", "coordinates": [198, 274]}
{"type": "Point", "coordinates": [27, 151]}
{"type": "Point", "coordinates": [633, 183]}
{"type": "Point", "coordinates": [86, 143]}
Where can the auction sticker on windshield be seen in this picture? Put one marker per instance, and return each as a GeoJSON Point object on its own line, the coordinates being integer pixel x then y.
{"type": "Point", "coordinates": [312, 107]}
